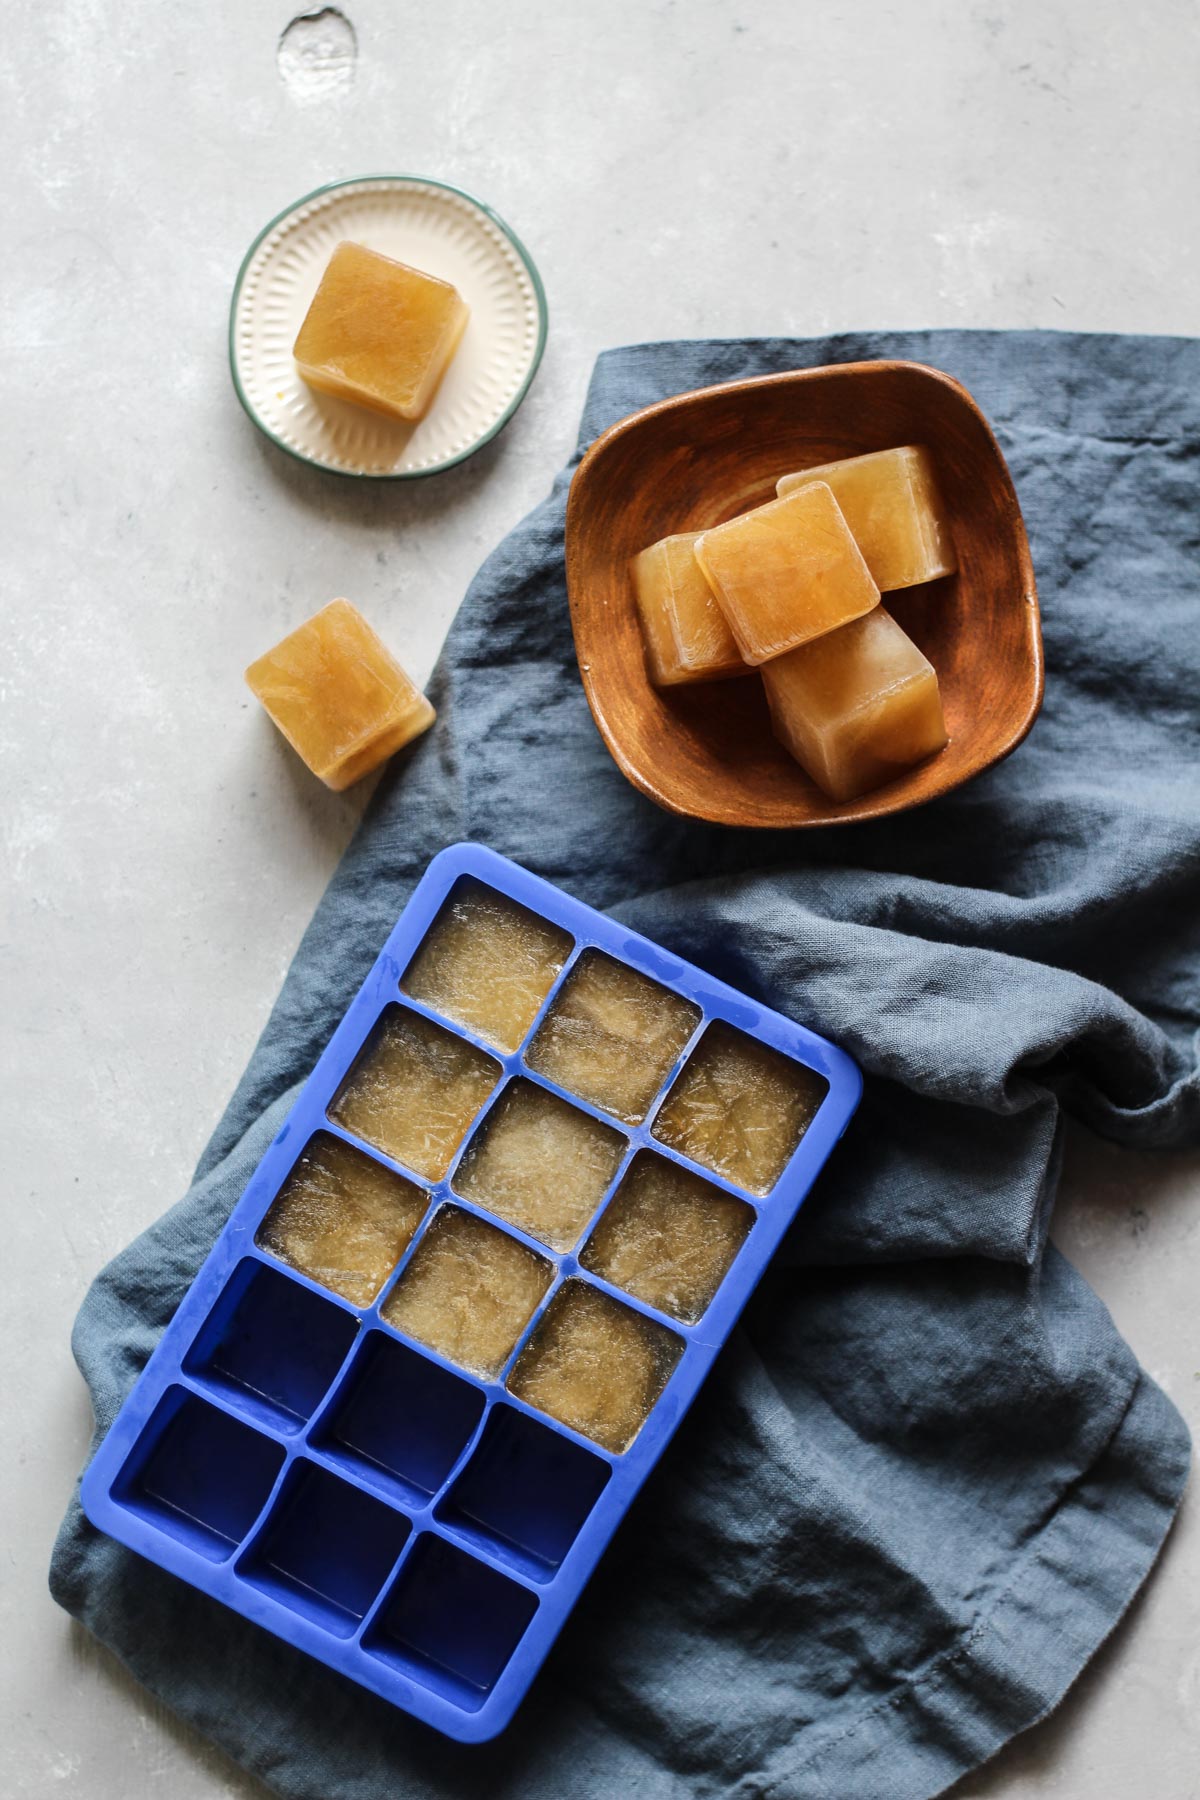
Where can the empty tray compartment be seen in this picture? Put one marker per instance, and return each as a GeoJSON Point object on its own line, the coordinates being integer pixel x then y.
{"type": "Point", "coordinates": [272, 1345]}
{"type": "Point", "coordinates": [451, 1622]}
{"type": "Point", "coordinates": [399, 1420]}
{"type": "Point", "coordinates": [325, 1549]}
{"type": "Point", "coordinates": [198, 1474]}
{"type": "Point", "coordinates": [525, 1493]}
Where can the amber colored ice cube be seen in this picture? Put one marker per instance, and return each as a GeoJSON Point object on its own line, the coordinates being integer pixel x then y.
{"type": "Point", "coordinates": [786, 572]}
{"type": "Point", "coordinates": [540, 1163]}
{"type": "Point", "coordinates": [668, 1237]}
{"type": "Point", "coordinates": [414, 1090]}
{"type": "Point", "coordinates": [379, 332]}
{"type": "Point", "coordinates": [342, 1219]}
{"type": "Point", "coordinates": [858, 707]}
{"type": "Point", "coordinates": [595, 1365]}
{"type": "Point", "coordinates": [739, 1108]}
{"type": "Point", "coordinates": [891, 501]}
{"type": "Point", "coordinates": [487, 963]}
{"type": "Point", "coordinates": [339, 696]}
{"type": "Point", "coordinates": [683, 629]}
{"type": "Point", "coordinates": [469, 1291]}
{"type": "Point", "coordinates": [611, 1035]}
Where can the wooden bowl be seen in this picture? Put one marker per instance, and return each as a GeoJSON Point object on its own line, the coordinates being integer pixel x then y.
{"type": "Point", "coordinates": [707, 751]}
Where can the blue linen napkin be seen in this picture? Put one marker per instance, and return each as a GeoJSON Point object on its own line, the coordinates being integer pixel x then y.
{"type": "Point", "coordinates": [927, 1476]}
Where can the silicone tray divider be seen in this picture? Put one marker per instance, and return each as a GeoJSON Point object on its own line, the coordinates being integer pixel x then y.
{"type": "Point", "coordinates": [461, 1528]}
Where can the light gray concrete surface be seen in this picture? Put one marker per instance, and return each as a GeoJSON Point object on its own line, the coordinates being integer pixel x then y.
{"type": "Point", "coordinates": [710, 168]}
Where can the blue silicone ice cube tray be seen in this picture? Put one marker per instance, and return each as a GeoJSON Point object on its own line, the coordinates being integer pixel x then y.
{"type": "Point", "coordinates": [420, 1528]}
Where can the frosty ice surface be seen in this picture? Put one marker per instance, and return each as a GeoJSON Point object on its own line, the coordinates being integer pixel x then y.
{"type": "Point", "coordinates": [487, 963]}
{"type": "Point", "coordinates": [469, 1291]}
{"type": "Point", "coordinates": [595, 1365]}
{"type": "Point", "coordinates": [414, 1090]}
{"type": "Point", "coordinates": [668, 1237]}
{"type": "Point", "coordinates": [540, 1163]}
{"type": "Point", "coordinates": [740, 1108]}
{"type": "Point", "coordinates": [611, 1035]}
{"type": "Point", "coordinates": [342, 1219]}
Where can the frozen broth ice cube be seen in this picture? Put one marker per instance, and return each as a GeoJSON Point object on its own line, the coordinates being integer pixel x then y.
{"type": "Point", "coordinates": [786, 572]}
{"type": "Point", "coordinates": [487, 963]}
{"type": "Point", "coordinates": [684, 630]}
{"type": "Point", "coordinates": [414, 1091]}
{"type": "Point", "coordinates": [740, 1108]}
{"type": "Point", "coordinates": [540, 1163]}
{"type": "Point", "coordinates": [469, 1291]}
{"type": "Point", "coordinates": [611, 1035]}
{"type": "Point", "coordinates": [379, 333]}
{"type": "Point", "coordinates": [338, 695]}
{"type": "Point", "coordinates": [891, 501]}
{"type": "Point", "coordinates": [668, 1237]}
{"type": "Point", "coordinates": [858, 707]}
{"type": "Point", "coordinates": [342, 1219]}
{"type": "Point", "coordinates": [595, 1365]}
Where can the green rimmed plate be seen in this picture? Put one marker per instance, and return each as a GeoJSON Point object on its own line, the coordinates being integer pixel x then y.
{"type": "Point", "coordinates": [435, 227]}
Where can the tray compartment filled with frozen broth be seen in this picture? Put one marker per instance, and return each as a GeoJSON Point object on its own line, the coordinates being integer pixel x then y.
{"type": "Point", "coordinates": [470, 1291]}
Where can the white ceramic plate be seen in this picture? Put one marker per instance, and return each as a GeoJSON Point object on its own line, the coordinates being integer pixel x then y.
{"type": "Point", "coordinates": [434, 227]}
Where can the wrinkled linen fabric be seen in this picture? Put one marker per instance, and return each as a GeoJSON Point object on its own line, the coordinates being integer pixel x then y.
{"type": "Point", "coordinates": [926, 1476]}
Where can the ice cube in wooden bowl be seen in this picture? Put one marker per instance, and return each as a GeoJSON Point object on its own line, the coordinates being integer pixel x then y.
{"type": "Point", "coordinates": [697, 459]}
